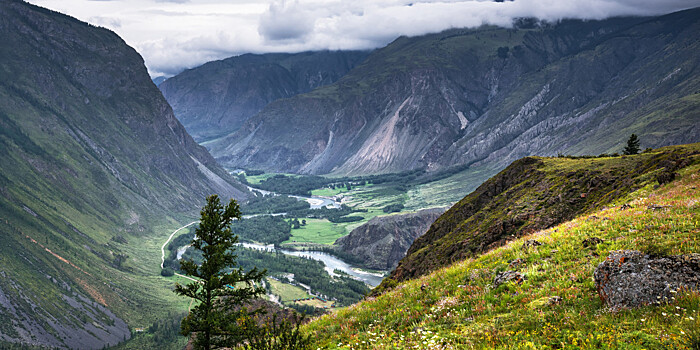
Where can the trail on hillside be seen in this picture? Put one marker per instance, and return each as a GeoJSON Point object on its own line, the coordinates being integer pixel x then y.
{"type": "Point", "coordinates": [162, 249]}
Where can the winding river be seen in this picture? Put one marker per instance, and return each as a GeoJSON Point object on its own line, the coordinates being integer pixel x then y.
{"type": "Point", "coordinates": [332, 263]}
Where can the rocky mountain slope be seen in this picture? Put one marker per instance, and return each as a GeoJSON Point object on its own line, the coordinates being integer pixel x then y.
{"type": "Point", "coordinates": [534, 194]}
{"type": "Point", "coordinates": [216, 98]}
{"type": "Point", "coordinates": [487, 95]}
{"type": "Point", "coordinates": [562, 283]}
{"type": "Point", "coordinates": [380, 243]}
{"type": "Point", "coordinates": [92, 158]}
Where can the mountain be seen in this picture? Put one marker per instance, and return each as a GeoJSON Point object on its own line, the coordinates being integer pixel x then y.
{"type": "Point", "coordinates": [92, 159]}
{"type": "Point", "coordinates": [533, 194]}
{"type": "Point", "coordinates": [216, 98]}
{"type": "Point", "coordinates": [487, 96]}
{"type": "Point", "coordinates": [381, 242]}
{"type": "Point", "coordinates": [159, 80]}
{"type": "Point", "coordinates": [552, 299]}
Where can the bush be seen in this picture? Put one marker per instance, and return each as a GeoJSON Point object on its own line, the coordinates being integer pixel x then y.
{"type": "Point", "coordinates": [167, 272]}
{"type": "Point", "coordinates": [393, 208]}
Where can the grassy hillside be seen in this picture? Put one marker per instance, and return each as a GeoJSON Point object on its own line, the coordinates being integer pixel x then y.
{"type": "Point", "coordinates": [531, 194]}
{"type": "Point", "coordinates": [457, 307]}
{"type": "Point", "coordinates": [95, 172]}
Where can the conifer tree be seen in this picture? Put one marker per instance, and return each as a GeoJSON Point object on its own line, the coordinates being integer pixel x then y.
{"type": "Point", "coordinates": [632, 145]}
{"type": "Point", "coordinates": [218, 320]}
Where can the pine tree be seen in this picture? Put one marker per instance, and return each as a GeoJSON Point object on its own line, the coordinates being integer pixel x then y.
{"type": "Point", "coordinates": [218, 320]}
{"type": "Point", "coordinates": [632, 145]}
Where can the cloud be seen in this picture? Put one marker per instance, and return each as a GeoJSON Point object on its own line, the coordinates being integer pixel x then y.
{"type": "Point", "coordinates": [286, 21]}
{"type": "Point", "coordinates": [173, 35]}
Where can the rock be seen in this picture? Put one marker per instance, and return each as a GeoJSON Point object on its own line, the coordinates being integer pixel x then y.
{"type": "Point", "coordinates": [625, 206]}
{"type": "Point", "coordinates": [658, 207]}
{"type": "Point", "coordinates": [383, 241]}
{"type": "Point", "coordinates": [629, 278]}
{"type": "Point", "coordinates": [507, 276]}
{"type": "Point", "coordinates": [591, 242]}
{"type": "Point", "coordinates": [516, 263]}
{"type": "Point", "coordinates": [530, 243]}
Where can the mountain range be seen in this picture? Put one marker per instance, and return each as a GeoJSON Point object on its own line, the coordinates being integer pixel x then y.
{"type": "Point", "coordinates": [216, 98]}
{"type": "Point", "coordinates": [489, 95]}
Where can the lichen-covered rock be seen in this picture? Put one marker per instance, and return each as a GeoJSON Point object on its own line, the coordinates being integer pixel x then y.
{"type": "Point", "coordinates": [516, 263]}
{"type": "Point", "coordinates": [507, 276]}
{"type": "Point", "coordinates": [629, 278]}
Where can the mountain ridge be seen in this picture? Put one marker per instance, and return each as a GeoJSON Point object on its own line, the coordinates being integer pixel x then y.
{"type": "Point", "coordinates": [93, 162]}
{"type": "Point", "coordinates": [486, 95]}
{"type": "Point", "coordinates": [215, 98]}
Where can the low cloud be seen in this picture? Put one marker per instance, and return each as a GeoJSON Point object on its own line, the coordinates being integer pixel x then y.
{"type": "Point", "coordinates": [173, 35]}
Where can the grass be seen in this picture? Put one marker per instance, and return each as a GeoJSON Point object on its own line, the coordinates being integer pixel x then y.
{"type": "Point", "coordinates": [254, 180]}
{"type": "Point", "coordinates": [330, 192]}
{"type": "Point", "coordinates": [319, 231]}
{"type": "Point", "coordinates": [448, 191]}
{"type": "Point", "coordinates": [286, 292]}
{"type": "Point", "coordinates": [458, 308]}
{"type": "Point", "coordinates": [315, 303]}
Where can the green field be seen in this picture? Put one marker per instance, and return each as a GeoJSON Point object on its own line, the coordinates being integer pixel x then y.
{"type": "Point", "coordinates": [330, 192]}
{"type": "Point", "coordinates": [319, 231]}
{"type": "Point", "coordinates": [286, 292]}
{"type": "Point", "coordinates": [254, 180]}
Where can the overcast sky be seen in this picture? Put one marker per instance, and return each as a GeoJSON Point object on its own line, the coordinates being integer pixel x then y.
{"type": "Point", "coordinates": [173, 35]}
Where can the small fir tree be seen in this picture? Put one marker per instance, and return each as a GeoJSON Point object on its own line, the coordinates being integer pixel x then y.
{"type": "Point", "coordinates": [632, 145]}
{"type": "Point", "coordinates": [217, 321]}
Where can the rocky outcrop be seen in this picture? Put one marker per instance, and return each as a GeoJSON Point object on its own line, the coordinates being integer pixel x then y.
{"type": "Point", "coordinates": [450, 98]}
{"type": "Point", "coordinates": [216, 98]}
{"type": "Point", "coordinates": [629, 278]}
{"type": "Point", "coordinates": [383, 241]}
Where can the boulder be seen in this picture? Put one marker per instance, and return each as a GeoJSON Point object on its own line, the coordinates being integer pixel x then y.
{"type": "Point", "coordinates": [629, 278]}
{"type": "Point", "coordinates": [507, 276]}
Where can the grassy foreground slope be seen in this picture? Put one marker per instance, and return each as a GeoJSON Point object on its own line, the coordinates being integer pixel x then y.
{"type": "Point", "coordinates": [531, 194]}
{"type": "Point", "coordinates": [457, 307]}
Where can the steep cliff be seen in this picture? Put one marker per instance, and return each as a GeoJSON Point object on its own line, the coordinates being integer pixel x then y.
{"type": "Point", "coordinates": [487, 95]}
{"type": "Point", "coordinates": [532, 194]}
{"type": "Point", "coordinates": [216, 98]}
{"type": "Point", "coordinates": [91, 159]}
{"type": "Point", "coordinates": [383, 241]}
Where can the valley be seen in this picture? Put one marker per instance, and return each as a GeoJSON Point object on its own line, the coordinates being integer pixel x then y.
{"type": "Point", "coordinates": [479, 187]}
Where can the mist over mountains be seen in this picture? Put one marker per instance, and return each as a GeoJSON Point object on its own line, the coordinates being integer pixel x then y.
{"type": "Point", "coordinates": [487, 95]}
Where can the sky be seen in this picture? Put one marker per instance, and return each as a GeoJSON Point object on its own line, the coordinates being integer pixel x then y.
{"type": "Point", "coordinates": [173, 35]}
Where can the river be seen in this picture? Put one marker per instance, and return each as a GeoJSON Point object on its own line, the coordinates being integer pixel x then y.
{"type": "Point", "coordinates": [332, 263]}
{"type": "Point", "coordinates": [316, 202]}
